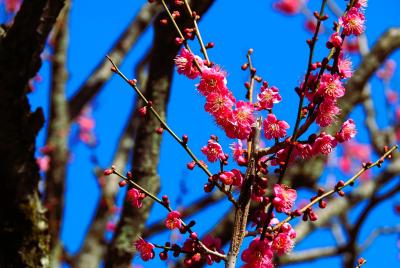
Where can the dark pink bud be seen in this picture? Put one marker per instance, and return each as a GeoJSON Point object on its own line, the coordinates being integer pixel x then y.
{"type": "Point", "coordinates": [108, 172]}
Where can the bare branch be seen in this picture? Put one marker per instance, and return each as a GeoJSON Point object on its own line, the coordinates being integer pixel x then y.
{"type": "Point", "coordinates": [122, 46]}
{"type": "Point", "coordinates": [310, 255]}
{"type": "Point", "coordinates": [378, 232]}
{"type": "Point", "coordinates": [57, 137]}
{"type": "Point", "coordinates": [94, 246]}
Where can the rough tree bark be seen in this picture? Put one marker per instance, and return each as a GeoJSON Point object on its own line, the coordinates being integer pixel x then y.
{"type": "Point", "coordinates": [24, 241]}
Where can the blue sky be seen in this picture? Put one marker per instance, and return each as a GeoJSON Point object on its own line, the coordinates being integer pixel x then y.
{"type": "Point", "coordinates": [234, 26]}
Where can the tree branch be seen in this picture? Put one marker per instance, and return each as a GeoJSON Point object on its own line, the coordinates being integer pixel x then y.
{"type": "Point", "coordinates": [122, 46]}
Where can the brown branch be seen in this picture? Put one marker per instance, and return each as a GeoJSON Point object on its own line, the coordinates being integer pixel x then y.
{"type": "Point", "coordinates": [122, 46]}
{"type": "Point", "coordinates": [57, 137]}
{"type": "Point", "coordinates": [388, 230]}
{"type": "Point", "coordinates": [93, 248]}
{"type": "Point", "coordinates": [243, 208]}
{"type": "Point", "coordinates": [310, 255]}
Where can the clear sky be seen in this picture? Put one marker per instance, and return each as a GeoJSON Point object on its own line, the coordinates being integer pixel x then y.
{"type": "Point", "coordinates": [234, 26]}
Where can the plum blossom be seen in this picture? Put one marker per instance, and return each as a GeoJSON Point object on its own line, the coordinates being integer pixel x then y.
{"type": "Point", "coordinates": [361, 3]}
{"type": "Point", "coordinates": [289, 7]}
{"type": "Point", "coordinates": [86, 126]}
{"type": "Point", "coordinates": [43, 163]}
{"type": "Point", "coordinates": [386, 73]}
{"type": "Point", "coordinates": [238, 152]}
{"type": "Point", "coordinates": [135, 197]}
{"type": "Point", "coordinates": [173, 220]}
{"type": "Point", "coordinates": [213, 151]}
{"type": "Point", "coordinates": [258, 255]}
{"type": "Point", "coordinates": [331, 87]}
{"type": "Point", "coordinates": [243, 115]}
{"type": "Point", "coordinates": [282, 244]}
{"type": "Point", "coordinates": [326, 114]}
{"type": "Point", "coordinates": [274, 128]}
{"type": "Point", "coordinates": [268, 97]}
{"type": "Point", "coordinates": [145, 249]}
{"type": "Point", "coordinates": [345, 67]}
{"type": "Point", "coordinates": [335, 39]}
{"type": "Point", "coordinates": [284, 198]}
{"type": "Point", "coordinates": [233, 177]}
{"type": "Point", "coordinates": [347, 132]}
{"type": "Point", "coordinates": [353, 22]}
{"type": "Point", "coordinates": [324, 144]}
{"type": "Point", "coordinates": [12, 6]}
{"type": "Point", "coordinates": [212, 80]}
{"type": "Point", "coordinates": [185, 64]}
{"type": "Point", "coordinates": [219, 104]}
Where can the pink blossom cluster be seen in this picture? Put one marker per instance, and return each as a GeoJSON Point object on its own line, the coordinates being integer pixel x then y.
{"type": "Point", "coordinates": [353, 21]}
{"type": "Point", "coordinates": [236, 118]}
{"type": "Point", "coordinates": [259, 254]}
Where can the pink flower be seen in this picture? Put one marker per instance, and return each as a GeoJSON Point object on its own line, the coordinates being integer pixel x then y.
{"type": "Point", "coordinates": [391, 96]}
{"type": "Point", "coordinates": [326, 114]}
{"type": "Point", "coordinates": [258, 254]}
{"type": "Point", "coordinates": [213, 151]}
{"type": "Point", "coordinates": [212, 80]}
{"type": "Point", "coordinates": [345, 164]}
{"type": "Point", "coordinates": [336, 40]}
{"type": "Point", "coordinates": [145, 249]}
{"type": "Point", "coordinates": [386, 73]}
{"type": "Point", "coordinates": [311, 26]}
{"type": "Point", "coordinates": [331, 87]}
{"type": "Point", "coordinates": [238, 151]}
{"type": "Point", "coordinates": [86, 125]}
{"type": "Point", "coordinates": [324, 144]}
{"type": "Point", "coordinates": [274, 128]}
{"type": "Point", "coordinates": [284, 198]}
{"type": "Point", "coordinates": [135, 197]}
{"type": "Point", "coordinates": [353, 22]}
{"type": "Point", "coordinates": [268, 97]}
{"type": "Point", "coordinates": [43, 163]}
{"type": "Point", "coordinates": [185, 64]}
{"type": "Point", "coordinates": [289, 7]}
{"type": "Point", "coordinates": [233, 177]}
{"type": "Point", "coordinates": [173, 220]}
{"type": "Point", "coordinates": [110, 226]}
{"type": "Point", "coordinates": [219, 104]}
{"type": "Point", "coordinates": [303, 150]}
{"type": "Point", "coordinates": [243, 115]}
{"type": "Point", "coordinates": [361, 3]}
{"type": "Point", "coordinates": [12, 6]}
{"type": "Point", "coordinates": [347, 132]}
{"type": "Point", "coordinates": [345, 67]}
{"type": "Point", "coordinates": [282, 244]}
